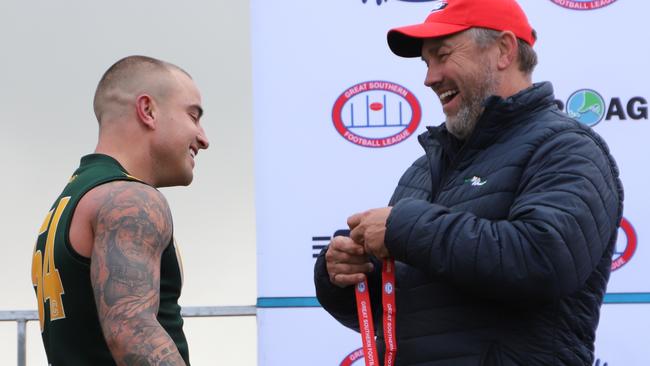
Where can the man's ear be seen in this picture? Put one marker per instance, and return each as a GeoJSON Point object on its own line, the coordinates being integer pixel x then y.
{"type": "Point", "coordinates": [508, 49]}
{"type": "Point", "coordinates": [145, 108]}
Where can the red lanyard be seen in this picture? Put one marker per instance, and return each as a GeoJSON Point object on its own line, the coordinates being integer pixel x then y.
{"type": "Point", "coordinates": [366, 324]}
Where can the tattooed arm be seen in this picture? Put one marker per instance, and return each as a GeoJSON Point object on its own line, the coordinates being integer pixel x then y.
{"type": "Point", "coordinates": [132, 228]}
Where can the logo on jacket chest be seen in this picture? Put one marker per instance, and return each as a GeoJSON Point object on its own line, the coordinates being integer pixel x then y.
{"type": "Point", "coordinates": [475, 181]}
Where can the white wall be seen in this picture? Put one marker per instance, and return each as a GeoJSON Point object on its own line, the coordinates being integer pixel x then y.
{"type": "Point", "coordinates": [52, 54]}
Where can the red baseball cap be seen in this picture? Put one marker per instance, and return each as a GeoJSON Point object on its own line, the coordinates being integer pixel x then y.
{"type": "Point", "coordinates": [453, 16]}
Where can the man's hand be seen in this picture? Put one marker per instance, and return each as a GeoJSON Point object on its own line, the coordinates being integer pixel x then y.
{"type": "Point", "coordinates": [369, 229]}
{"type": "Point", "coordinates": [346, 262]}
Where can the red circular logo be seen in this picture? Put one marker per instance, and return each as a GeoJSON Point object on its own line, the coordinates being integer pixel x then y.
{"type": "Point", "coordinates": [583, 4]}
{"type": "Point", "coordinates": [376, 114]}
{"type": "Point", "coordinates": [620, 258]}
{"type": "Point", "coordinates": [352, 358]}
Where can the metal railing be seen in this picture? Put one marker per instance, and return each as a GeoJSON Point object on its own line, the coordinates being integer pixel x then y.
{"type": "Point", "coordinates": [21, 317]}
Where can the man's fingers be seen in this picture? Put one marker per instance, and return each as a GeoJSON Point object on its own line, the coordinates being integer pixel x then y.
{"type": "Point", "coordinates": [357, 235]}
{"type": "Point", "coordinates": [346, 260]}
{"type": "Point", "coordinates": [379, 253]}
{"type": "Point", "coordinates": [346, 253]}
{"type": "Point", "coordinates": [356, 230]}
{"type": "Point", "coordinates": [334, 268]}
{"type": "Point", "coordinates": [354, 220]}
{"type": "Point", "coordinates": [345, 274]}
{"type": "Point", "coordinates": [346, 245]}
{"type": "Point", "coordinates": [344, 280]}
{"type": "Point", "coordinates": [341, 257]}
{"type": "Point", "coordinates": [354, 259]}
{"type": "Point", "coordinates": [346, 268]}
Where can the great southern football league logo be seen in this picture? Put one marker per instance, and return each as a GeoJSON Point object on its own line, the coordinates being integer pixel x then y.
{"type": "Point", "coordinates": [376, 113]}
{"type": "Point", "coordinates": [379, 2]}
{"type": "Point", "coordinates": [583, 4]}
{"type": "Point", "coordinates": [625, 246]}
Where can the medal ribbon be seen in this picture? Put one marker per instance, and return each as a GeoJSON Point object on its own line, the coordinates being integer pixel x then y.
{"type": "Point", "coordinates": [366, 323]}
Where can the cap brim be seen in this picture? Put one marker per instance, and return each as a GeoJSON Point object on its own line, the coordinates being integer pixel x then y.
{"type": "Point", "coordinates": [407, 41]}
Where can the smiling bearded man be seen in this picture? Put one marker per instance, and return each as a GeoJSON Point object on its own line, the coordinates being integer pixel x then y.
{"type": "Point", "coordinates": [500, 237]}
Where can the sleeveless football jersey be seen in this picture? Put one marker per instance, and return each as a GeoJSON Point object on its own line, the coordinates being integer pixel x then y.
{"type": "Point", "coordinates": [68, 317]}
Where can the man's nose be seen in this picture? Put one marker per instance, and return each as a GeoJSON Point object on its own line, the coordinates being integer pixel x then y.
{"type": "Point", "coordinates": [433, 76]}
{"type": "Point", "coordinates": [202, 138]}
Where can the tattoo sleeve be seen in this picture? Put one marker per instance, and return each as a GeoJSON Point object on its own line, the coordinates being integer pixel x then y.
{"type": "Point", "coordinates": [132, 228]}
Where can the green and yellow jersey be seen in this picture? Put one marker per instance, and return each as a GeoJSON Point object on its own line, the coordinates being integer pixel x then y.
{"type": "Point", "coordinates": [68, 317]}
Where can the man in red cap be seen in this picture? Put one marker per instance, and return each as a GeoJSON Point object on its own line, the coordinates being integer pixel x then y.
{"type": "Point", "coordinates": [503, 232]}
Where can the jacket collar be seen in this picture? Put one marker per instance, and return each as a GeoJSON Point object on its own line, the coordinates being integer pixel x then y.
{"type": "Point", "coordinates": [499, 114]}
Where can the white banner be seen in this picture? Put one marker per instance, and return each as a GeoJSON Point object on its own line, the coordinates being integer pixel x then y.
{"type": "Point", "coordinates": [336, 115]}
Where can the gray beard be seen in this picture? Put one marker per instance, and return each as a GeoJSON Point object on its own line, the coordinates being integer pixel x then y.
{"type": "Point", "coordinates": [463, 123]}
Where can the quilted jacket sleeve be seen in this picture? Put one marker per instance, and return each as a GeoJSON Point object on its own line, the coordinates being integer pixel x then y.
{"type": "Point", "coordinates": [563, 220]}
{"type": "Point", "coordinates": [340, 302]}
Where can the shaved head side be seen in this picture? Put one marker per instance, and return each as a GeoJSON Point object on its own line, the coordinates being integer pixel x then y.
{"type": "Point", "coordinates": [128, 78]}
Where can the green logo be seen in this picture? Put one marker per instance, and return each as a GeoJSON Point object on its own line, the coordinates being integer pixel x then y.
{"type": "Point", "coordinates": [586, 106]}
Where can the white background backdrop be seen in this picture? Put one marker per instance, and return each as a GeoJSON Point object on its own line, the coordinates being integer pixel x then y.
{"type": "Point", "coordinates": [306, 53]}
{"type": "Point", "coordinates": [309, 179]}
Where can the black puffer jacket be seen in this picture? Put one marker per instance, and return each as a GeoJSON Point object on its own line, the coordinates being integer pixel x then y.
{"type": "Point", "coordinates": [503, 245]}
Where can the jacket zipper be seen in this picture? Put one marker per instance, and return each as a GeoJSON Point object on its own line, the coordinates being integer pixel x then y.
{"type": "Point", "coordinates": [452, 164]}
